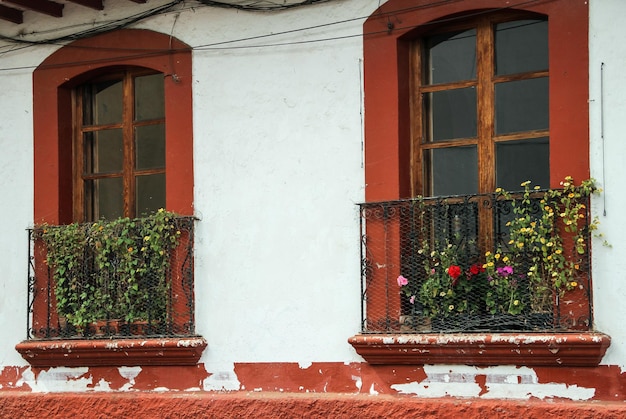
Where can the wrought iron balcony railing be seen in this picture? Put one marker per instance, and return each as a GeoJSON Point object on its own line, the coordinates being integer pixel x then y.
{"type": "Point", "coordinates": [122, 279]}
{"type": "Point", "coordinates": [496, 262]}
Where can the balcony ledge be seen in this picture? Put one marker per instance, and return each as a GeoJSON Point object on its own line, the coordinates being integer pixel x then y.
{"type": "Point", "coordinates": [578, 349]}
{"type": "Point", "coordinates": [112, 352]}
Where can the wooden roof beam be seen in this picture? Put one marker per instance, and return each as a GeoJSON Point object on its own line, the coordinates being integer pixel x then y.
{"type": "Point", "coordinates": [42, 6]}
{"type": "Point", "coordinates": [10, 14]}
{"type": "Point", "coordinates": [94, 4]}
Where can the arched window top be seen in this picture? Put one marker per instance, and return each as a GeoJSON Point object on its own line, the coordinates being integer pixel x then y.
{"type": "Point", "coordinates": [82, 61]}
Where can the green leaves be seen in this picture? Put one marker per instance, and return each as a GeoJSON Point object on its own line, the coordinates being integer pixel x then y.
{"type": "Point", "coordinates": [112, 269]}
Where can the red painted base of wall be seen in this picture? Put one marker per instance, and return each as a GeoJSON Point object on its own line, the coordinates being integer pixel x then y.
{"type": "Point", "coordinates": [273, 405]}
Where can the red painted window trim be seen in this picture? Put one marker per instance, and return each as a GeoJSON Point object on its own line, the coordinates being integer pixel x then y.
{"type": "Point", "coordinates": [53, 82]}
{"type": "Point", "coordinates": [71, 65]}
{"type": "Point", "coordinates": [386, 44]}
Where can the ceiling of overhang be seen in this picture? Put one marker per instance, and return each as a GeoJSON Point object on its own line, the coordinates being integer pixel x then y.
{"type": "Point", "coordinates": [13, 10]}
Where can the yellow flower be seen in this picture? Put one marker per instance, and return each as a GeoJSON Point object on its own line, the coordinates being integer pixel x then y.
{"type": "Point", "coordinates": [537, 187]}
{"type": "Point", "coordinates": [520, 244]}
{"type": "Point", "coordinates": [498, 190]}
{"type": "Point", "coordinates": [577, 266]}
{"type": "Point", "coordinates": [505, 259]}
{"type": "Point", "coordinates": [130, 249]}
{"type": "Point", "coordinates": [558, 251]}
{"type": "Point", "coordinates": [570, 195]}
{"type": "Point", "coordinates": [487, 253]}
{"type": "Point", "coordinates": [516, 302]}
{"type": "Point", "coordinates": [525, 183]}
{"type": "Point", "coordinates": [442, 294]}
{"type": "Point", "coordinates": [574, 284]}
{"type": "Point", "coordinates": [497, 256]}
{"type": "Point", "coordinates": [490, 264]}
{"type": "Point", "coordinates": [450, 307]}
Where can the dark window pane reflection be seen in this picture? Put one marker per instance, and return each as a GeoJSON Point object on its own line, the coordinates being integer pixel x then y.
{"type": "Point", "coordinates": [519, 161]}
{"type": "Point", "coordinates": [150, 147]}
{"type": "Point", "coordinates": [452, 114]}
{"type": "Point", "coordinates": [104, 151]}
{"type": "Point", "coordinates": [451, 57]}
{"type": "Point", "coordinates": [453, 170]}
{"type": "Point", "coordinates": [521, 46]}
{"type": "Point", "coordinates": [102, 103]}
{"type": "Point", "coordinates": [150, 193]}
{"type": "Point", "coordinates": [104, 199]}
{"type": "Point", "coordinates": [522, 105]}
{"type": "Point", "coordinates": [149, 97]}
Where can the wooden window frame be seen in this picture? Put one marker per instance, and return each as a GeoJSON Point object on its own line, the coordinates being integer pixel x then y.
{"type": "Point", "coordinates": [128, 124]}
{"type": "Point", "coordinates": [485, 82]}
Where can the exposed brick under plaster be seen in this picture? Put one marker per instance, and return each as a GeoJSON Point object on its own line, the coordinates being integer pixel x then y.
{"type": "Point", "coordinates": [273, 405]}
{"type": "Point", "coordinates": [603, 383]}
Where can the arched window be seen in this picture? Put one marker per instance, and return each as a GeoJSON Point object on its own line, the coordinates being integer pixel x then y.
{"type": "Point", "coordinates": [480, 106]}
{"type": "Point", "coordinates": [462, 97]}
{"type": "Point", "coordinates": [113, 138]}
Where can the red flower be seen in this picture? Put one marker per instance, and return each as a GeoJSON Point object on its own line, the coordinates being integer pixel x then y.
{"type": "Point", "coordinates": [476, 269]}
{"type": "Point", "coordinates": [454, 271]}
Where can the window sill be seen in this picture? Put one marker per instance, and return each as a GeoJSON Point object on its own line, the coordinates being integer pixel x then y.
{"type": "Point", "coordinates": [529, 349]}
{"type": "Point", "coordinates": [112, 352]}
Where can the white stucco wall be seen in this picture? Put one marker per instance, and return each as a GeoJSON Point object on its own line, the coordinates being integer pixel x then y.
{"type": "Point", "coordinates": [278, 169]}
{"type": "Point", "coordinates": [607, 107]}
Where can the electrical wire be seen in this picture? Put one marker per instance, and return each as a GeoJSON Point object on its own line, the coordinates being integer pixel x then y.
{"type": "Point", "coordinates": [138, 53]}
{"type": "Point", "coordinates": [262, 6]}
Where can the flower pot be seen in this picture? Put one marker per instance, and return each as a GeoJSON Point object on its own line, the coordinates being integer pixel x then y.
{"type": "Point", "coordinates": [411, 324]}
{"type": "Point", "coordinates": [105, 327]}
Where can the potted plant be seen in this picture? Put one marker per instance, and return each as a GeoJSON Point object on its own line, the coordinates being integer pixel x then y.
{"type": "Point", "coordinates": [110, 272]}
{"type": "Point", "coordinates": [514, 285]}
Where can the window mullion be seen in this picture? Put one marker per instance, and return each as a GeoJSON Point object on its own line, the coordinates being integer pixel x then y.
{"type": "Point", "coordinates": [78, 157]}
{"type": "Point", "coordinates": [417, 128]}
{"type": "Point", "coordinates": [486, 111]}
{"type": "Point", "coordinates": [129, 148]}
{"type": "Point", "coordinates": [486, 107]}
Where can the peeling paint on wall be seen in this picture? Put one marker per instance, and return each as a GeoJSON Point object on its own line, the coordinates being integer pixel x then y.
{"type": "Point", "coordinates": [506, 382]}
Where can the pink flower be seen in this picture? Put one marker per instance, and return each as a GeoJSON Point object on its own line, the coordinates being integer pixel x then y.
{"type": "Point", "coordinates": [402, 281]}
{"type": "Point", "coordinates": [505, 271]}
{"type": "Point", "coordinates": [412, 299]}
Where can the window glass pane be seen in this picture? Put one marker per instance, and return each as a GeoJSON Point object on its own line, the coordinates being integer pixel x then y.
{"type": "Point", "coordinates": [451, 57]}
{"type": "Point", "coordinates": [452, 114]}
{"type": "Point", "coordinates": [521, 46]}
{"type": "Point", "coordinates": [452, 170]}
{"type": "Point", "coordinates": [102, 103]}
{"type": "Point", "coordinates": [150, 193]}
{"type": "Point", "coordinates": [150, 147]}
{"type": "Point", "coordinates": [103, 151]}
{"type": "Point", "coordinates": [521, 105]}
{"type": "Point", "coordinates": [104, 198]}
{"type": "Point", "coordinates": [149, 97]}
{"type": "Point", "coordinates": [519, 161]}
